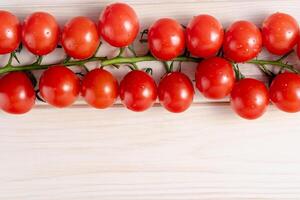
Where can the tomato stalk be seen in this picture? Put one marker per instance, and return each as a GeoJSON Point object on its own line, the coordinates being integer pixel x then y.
{"type": "Point", "coordinates": [277, 63]}
{"type": "Point", "coordinates": [237, 71]}
{"type": "Point", "coordinates": [104, 62]}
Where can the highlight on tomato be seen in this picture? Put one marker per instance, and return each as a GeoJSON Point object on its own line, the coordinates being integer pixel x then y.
{"type": "Point", "coordinates": [40, 33]}
{"type": "Point", "coordinates": [166, 39]}
{"type": "Point", "coordinates": [176, 92]}
{"type": "Point", "coordinates": [204, 36]}
{"type": "Point", "coordinates": [59, 86]}
{"type": "Point", "coordinates": [80, 38]}
{"type": "Point", "coordinates": [17, 95]}
{"type": "Point", "coordinates": [118, 24]}
{"type": "Point", "coordinates": [10, 32]}
{"type": "Point", "coordinates": [242, 41]}
{"type": "Point", "coordinates": [284, 92]}
{"type": "Point", "coordinates": [249, 98]}
{"type": "Point", "coordinates": [280, 33]}
{"type": "Point", "coordinates": [99, 88]}
{"type": "Point", "coordinates": [138, 91]}
{"type": "Point", "coordinates": [215, 77]}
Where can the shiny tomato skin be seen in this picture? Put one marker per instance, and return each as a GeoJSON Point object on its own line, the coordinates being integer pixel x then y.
{"type": "Point", "coordinates": [215, 77]}
{"type": "Point", "coordinates": [118, 24]}
{"type": "Point", "coordinates": [204, 35]}
{"type": "Point", "coordinates": [80, 38]}
{"type": "Point", "coordinates": [138, 91]}
{"type": "Point", "coordinates": [166, 39]}
{"type": "Point", "coordinates": [10, 32]}
{"type": "Point", "coordinates": [99, 88]}
{"type": "Point", "coordinates": [285, 92]}
{"type": "Point", "coordinates": [280, 33]}
{"type": "Point", "coordinates": [242, 41]}
{"type": "Point", "coordinates": [249, 98]}
{"type": "Point", "coordinates": [176, 92]}
{"type": "Point", "coordinates": [17, 95]}
{"type": "Point", "coordinates": [40, 33]}
{"type": "Point", "coordinates": [59, 86]}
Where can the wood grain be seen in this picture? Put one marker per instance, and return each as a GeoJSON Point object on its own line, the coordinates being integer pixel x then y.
{"type": "Point", "coordinates": [207, 152]}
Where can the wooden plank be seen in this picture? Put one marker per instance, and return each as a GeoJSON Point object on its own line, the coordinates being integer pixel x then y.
{"type": "Point", "coordinates": [205, 153]}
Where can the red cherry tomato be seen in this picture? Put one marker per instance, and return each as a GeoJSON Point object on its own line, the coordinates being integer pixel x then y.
{"type": "Point", "coordinates": [249, 98]}
{"type": "Point", "coordinates": [242, 41]}
{"type": "Point", "coordinates": [10, 32]}
{"type": "Point", "coordinates": [59, 86]}
{"type": "Point", "coordinates": [166, 39]}
{"type": "Point", "coordinates": [99, 88]}
{"type": "Point", "coordinates": [280, 33]}
{"type": "Point", "coordinates": [17, 95]}
{"type": "Point", "coordinates": [138, 91]}
{"type": "Point", "coordinates": [40, 33]}
{"type": "Point", "coordinates": [176, 92]}
{"type": "Point", "coordinates": [80, 38]}
{"type": "Point", "coordinates": [215, 77]}
{"type": "Point", "coordinates": [118, 24]}
{"type": "Point", "coordinates": [285, 92]}
{"type": "Point", "coordinates": [204, 36]}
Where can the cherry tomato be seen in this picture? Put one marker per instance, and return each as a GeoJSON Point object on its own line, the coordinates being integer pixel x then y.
{"type": "Point", "coordinates": [166, 39]}
{"type": "Point", "coordinates": [80, 38]}
{"type": "Point", "coordinates": [99, 88]}
{"type": "Point", "coordinates": [215, 77]}
{"type": "Point", "coordinates": [242, 41]}
{"type": "Point", "coordinates": [280, 33]}
{"type": "Point", "coordinates": [138, 91]}
{"type": "Point", "coordinates": [204, 36]}
{"type": "Point", "coordinates": [10, 32]}
{"type": "Point", "coordinates": [285, 92]}
{"type": "Point", "coordinates": [17, 95]}
{"type": "Point", "coordinates": [118, 24]}
{"type": "Point", "coordinates": [249, 98]}
{"type": "Point", "coordinates": [59, 86]}
{"type": "Point", "coordinates": [40, 33]}
{"type": "Point", "coordinates": [176, 92]}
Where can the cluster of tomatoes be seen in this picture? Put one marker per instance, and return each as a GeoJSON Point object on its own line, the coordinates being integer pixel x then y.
{"type": "Point", "coordinates": [118, 25]}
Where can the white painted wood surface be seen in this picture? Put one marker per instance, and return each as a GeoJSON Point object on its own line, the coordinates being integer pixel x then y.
{"type": "Point", "coordinates": [207, 152]}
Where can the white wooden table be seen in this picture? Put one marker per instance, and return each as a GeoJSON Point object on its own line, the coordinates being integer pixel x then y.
{"type": "Point", "coordinates": [81, 153]}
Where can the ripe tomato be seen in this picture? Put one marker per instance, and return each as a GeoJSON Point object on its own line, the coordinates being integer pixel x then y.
{"type": "Point", "coordinates": [215, 77]}
{"type": "Point", "coordinates": [80, 38]}
{"type": "Point", "coordinates": [176, 92]}
{"type": "Point", "coordinates": [17, 95]}
{"type": "Point", "coordinates": [138, 91]}
{"type": "Point", "coordinates": [40, 33]}
{"type": "Point", "coordinates": [280, 33]}
{"type": "Point", "coordinates": [284, 92]}
{"type": "Point", "coordinates": [204, 36]}
{"type": "Point", "coordinates": [59, 86]}
{"type": "Point", "coordinates": [118, 24]}
{"type": "Point", "coordinates": [10, 32]}
{"type": "Point", "coordinates": [242, 41]}
{"type": "Point", "coordinates": [166, 39]}
{"type": "Point", "coordinates": [99, 88]}
{"type": "Point", "coordinates": [249, 98]}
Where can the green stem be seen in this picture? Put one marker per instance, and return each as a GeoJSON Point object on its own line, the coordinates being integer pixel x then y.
{"type": "Point", "coordinates": [278, 63]}
{"type": "Point", "coordinates": [124, 60]}
{"type": "Point", "coordinates": [104, 62]}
